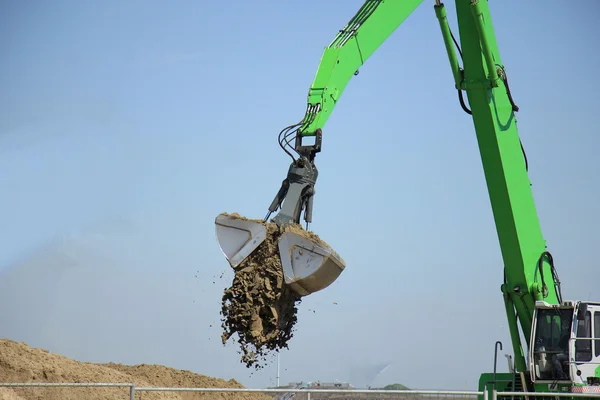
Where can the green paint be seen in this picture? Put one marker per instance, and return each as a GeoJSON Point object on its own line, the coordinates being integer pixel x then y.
{"type": "Point", "coordinates": [354, 44]}
{"type": "Point", "coordinates": [598, 370]}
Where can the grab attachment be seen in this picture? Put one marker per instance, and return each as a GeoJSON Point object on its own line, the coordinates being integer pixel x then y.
{"type": "Point", "coordinates": [308, 264]}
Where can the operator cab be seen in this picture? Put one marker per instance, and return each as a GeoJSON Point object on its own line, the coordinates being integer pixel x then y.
{"type": "Point", "coordinates": [565, 343]}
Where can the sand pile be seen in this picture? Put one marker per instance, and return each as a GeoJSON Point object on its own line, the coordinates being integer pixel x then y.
{"type": "Point", "coordinates": [259, 306]}
{"type": "Point", "coordinates": [21, 363]}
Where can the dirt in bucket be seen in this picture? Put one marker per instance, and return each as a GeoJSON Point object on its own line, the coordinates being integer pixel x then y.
{"type": "Point", "coordinates": [259, 306]}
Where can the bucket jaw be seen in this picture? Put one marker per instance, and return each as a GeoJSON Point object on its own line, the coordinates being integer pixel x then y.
{"type": "Point", "coordinates": [308, 264]}
{"type": "Point", "coordinates": [238, 237]}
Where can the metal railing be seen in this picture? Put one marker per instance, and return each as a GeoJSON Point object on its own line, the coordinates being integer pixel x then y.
{"type": "Point", "coordinates": [133, 389]}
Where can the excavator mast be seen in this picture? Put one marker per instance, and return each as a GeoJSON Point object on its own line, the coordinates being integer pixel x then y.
{"type": "Point", "coordinates": [559, 335]}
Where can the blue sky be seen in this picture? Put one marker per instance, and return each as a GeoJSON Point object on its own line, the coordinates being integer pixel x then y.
{"type": "Point", "coordinates": [126, 127]}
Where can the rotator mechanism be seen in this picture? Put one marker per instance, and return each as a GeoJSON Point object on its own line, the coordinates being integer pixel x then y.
{"type": "Point", "coordinates": [298, 188]}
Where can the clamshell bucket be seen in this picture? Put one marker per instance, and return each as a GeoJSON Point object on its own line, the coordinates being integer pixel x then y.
{"type": "Point", "coordinates": [308, 264]}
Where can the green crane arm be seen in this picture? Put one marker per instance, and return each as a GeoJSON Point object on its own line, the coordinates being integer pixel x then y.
{"type": "Point", "coordinates": [529, 274]}
{"type": "Point", "coordinates": [374, 22]}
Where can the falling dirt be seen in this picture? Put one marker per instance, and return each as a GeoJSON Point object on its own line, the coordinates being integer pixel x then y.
{"type": "Point", "coordinates": [259, 306]}
{"type": "Point", "coordinates": [21, 363]}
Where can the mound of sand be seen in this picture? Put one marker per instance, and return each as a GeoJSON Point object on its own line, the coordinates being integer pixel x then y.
{"type": "Point", "coordinates": [21, 363]}
{"type": "Point", "coordinates": [259, 306]}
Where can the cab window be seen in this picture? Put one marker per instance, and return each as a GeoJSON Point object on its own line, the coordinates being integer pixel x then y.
{"type": "Point", "coordinates": [583, 347]}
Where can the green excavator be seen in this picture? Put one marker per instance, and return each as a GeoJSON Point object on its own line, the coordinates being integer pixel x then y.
{"type": "Point", "coordinates": [562, 337]}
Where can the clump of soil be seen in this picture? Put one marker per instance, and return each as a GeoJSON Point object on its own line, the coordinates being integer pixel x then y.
{"type": "Point", "coordinates": [259, 306]}
{"type": "Point", "coordinates": [21, 363]}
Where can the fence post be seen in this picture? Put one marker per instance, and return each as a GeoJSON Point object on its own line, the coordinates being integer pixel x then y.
{"type": "Point", "coordinates": [308, 395]}
{"type": "Point", "coordinates": [485, 392]}
{"type": "Point", "coordinates": [132, 392]}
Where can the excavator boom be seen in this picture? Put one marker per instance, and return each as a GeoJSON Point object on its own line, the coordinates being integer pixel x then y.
{"type": "Point", "coordinates": [354, 44]}
{"type": "Point", "coordinates": [561, 352]}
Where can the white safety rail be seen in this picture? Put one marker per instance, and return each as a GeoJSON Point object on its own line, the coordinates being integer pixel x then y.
{"type": "Point", "coordinates": [307, 394]}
